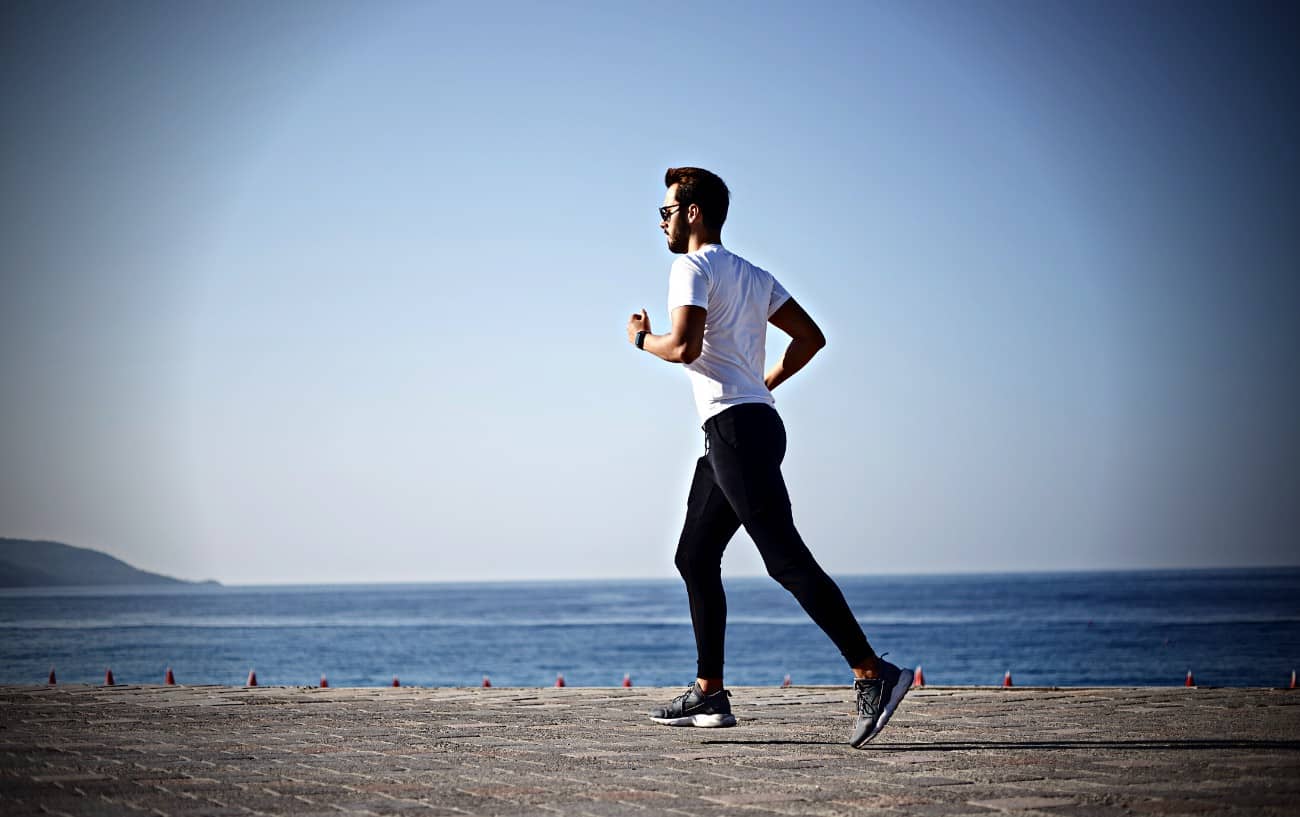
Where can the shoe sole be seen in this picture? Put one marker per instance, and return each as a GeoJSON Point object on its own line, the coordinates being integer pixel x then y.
{"type": "Point", "coordinates": [704, 721]}
{"type": "Point", "coordinates": [904, 685]}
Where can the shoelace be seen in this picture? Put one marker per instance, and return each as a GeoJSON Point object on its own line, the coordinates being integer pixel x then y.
{"type": "Point", "coordinates": [866, 707]}
{"type": "Point", "coordinates": [681, 699]}
{"type": "Point", "coordinates": [878, 683]}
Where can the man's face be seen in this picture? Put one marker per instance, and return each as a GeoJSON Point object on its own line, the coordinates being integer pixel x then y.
{"type": "Point", "coordinates": [675, 226]}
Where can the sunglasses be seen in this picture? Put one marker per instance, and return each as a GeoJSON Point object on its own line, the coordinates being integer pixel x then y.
{"type": "Point", "coordinates": [666, 212]}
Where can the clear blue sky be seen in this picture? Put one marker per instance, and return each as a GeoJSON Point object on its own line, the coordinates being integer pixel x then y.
{"type": "Point", "coordinates": [309, 292]}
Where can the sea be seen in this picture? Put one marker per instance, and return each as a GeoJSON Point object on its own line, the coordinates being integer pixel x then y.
{"type": "Point", "coordinates": [1147, 628]}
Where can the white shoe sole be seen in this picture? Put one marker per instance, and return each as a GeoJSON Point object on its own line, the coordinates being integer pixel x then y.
{"type": "Point", "coordinates": [704, 721]}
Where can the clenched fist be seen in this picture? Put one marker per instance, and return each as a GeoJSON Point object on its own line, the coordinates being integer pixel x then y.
{"type": "Point", "coordinates": [639, 322]}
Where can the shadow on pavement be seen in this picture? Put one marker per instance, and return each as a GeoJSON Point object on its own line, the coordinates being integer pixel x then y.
{"type": "Point", "coordinates": [1168, 745]}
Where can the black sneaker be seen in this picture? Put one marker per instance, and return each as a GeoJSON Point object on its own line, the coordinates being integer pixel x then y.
{"type": "Point", "coordinates": [694, 708]}
{"type": "Point", "coordinates": [877, 700]}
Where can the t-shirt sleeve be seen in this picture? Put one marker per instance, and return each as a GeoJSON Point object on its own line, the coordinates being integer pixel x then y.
{"type": "Point", "coordinates": [688, 283]}
{"type": "Point", "coordinates": [779, 296]}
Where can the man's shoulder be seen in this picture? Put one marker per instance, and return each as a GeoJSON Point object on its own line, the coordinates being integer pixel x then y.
{"type": "Point", "coordinates": [719, 257]}
{"type": "Point", "coordinates": [692, 262]}
{"type": "Point", "coordinates": [715, 251]}
{"type": "Point", "coordinates": [712, 259]}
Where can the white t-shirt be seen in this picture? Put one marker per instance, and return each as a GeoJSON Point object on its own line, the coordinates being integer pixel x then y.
{"type": "Point", "coordinates": [739, 297]}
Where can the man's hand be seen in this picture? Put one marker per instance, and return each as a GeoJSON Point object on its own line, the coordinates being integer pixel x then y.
{"type": "Point", "coordinates": [683, 343]}
{"type": "Point", "coordinates": [639, 322]}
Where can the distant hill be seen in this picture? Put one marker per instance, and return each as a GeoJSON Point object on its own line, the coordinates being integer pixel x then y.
{"type": "Point", "coordinates": [29, 563]}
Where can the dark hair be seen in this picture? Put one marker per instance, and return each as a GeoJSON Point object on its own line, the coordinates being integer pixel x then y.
{"type": "Point", "coordinates": [703, 189]}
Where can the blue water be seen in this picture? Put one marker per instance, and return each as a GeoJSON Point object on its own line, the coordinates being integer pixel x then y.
{"type": "Point", "coordinates": [1231, 627]}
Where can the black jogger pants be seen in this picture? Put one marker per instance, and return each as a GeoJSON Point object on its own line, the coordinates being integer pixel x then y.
{"type": "Point", "coordinates": [738, 482]}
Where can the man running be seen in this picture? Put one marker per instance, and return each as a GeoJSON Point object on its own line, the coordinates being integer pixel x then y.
{"type": "Point", "coordinates": [720, 305]}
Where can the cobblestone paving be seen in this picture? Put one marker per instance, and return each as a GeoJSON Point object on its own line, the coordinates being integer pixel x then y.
{"type": "Point", "coordinates": [76, 750]}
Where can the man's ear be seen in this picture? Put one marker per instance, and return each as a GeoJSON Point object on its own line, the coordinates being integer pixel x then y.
{"type": "Point", "coordinates": [692, 212]}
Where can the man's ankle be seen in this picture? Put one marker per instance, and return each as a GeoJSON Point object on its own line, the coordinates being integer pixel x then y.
{"type": "Point", "coordinates": [869, 668]}
{"type": "Point", "coordinates": [709, 685]}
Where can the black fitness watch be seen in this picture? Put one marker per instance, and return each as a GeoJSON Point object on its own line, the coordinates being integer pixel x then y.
{"type": "Point", "coordinates": [640, 339]}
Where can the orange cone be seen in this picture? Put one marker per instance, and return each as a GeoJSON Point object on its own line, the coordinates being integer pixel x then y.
{"type": "Point", "coordinates": [486, 683]}
{"type": "Point", "coordinates": [1190, 682]}
{"type": "Point", "coordinates": [52, 681]}
{"type": "Point", "coordinates": [918, 678]}
{"type": "Point", "coordinates": [108, 677]}
{"type": "Point", "coordinates": [627, 679]}
{"type": "Point", "coordinates": [324, 682]}
{"type": "Point", "coordinates": [785, 682]}
{"type": "Point", "coordinates": [170, 680]}
{"type": "Point", "coordinates": [252, 679]}
{"type": "Point", "coordinates": [1006, 679]}
{"type": "Point", "coordinates": [395, 683]}
{"type": "Point", "coordinates": [559, 680]}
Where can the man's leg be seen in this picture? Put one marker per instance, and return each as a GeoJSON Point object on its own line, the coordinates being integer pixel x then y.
{"type": "Point", "coordinates": [747, 466]}
{"type": "Point", "coordinates": [789, 561]}
{"type": "Point", "coordinates": [710, 524]}
{"type": "Point", "coordinates": [746, 459]}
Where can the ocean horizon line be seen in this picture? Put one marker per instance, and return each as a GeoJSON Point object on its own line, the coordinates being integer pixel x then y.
{"type": "Point", "coordinates": [207, 585]}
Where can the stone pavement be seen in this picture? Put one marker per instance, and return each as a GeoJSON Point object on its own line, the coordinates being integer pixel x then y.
{"type": "Point", "coordinates": [73, 750]}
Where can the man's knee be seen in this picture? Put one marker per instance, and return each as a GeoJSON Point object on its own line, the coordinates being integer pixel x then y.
{"type": "Point", "coordinates": [693, 564]}
{"type": "Point", "coordinates": [788, 572]}
{"type": "Point", "coordinates": [786, 557]}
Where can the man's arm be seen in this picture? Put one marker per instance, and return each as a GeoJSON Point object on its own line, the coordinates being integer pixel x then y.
{"type": "Point", "coordinates": [681, 345]}
{"type": "Point", "coordinates": [806, 340]}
